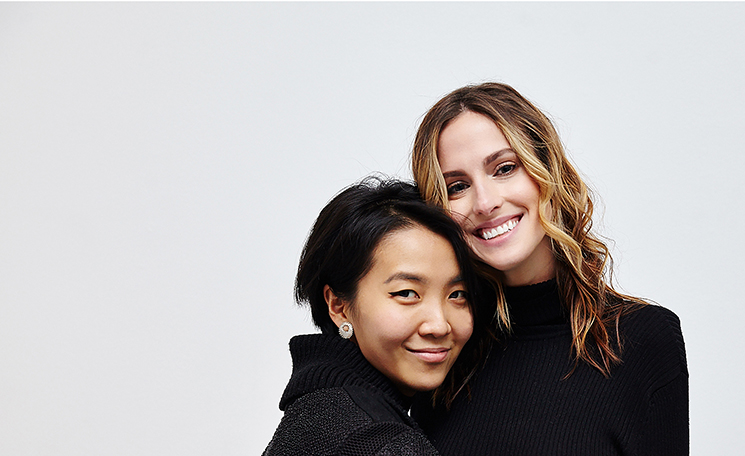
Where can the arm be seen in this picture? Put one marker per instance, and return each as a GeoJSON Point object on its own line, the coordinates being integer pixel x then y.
{"type": "Point", "coordinates": [667, 429]}
{"type": "Point", "coordinates": [664, 431]}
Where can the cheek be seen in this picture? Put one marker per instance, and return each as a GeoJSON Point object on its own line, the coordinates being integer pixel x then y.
{"type": "Point", "coordinates": [393, 333]}
{"type": "Point", "coordinates": [530, 192]}
{"type": "Point", "coordinates": [388, 328]}
{"type": "Point", "coordinates": [462, 325]}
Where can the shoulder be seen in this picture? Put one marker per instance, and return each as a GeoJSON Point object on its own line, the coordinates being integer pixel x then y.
{"type": "Point", "coordinates": [329, 406]}
{"type": "Point", "coordinates": [347, 421]}
{"type": "Point", "coordinates": [316, 423]}
{"type": "Point", "coordinates": [655, 313]}
{"type": "Point", "coordinates": [387, 439]}
{"type": "Point", "coordinates": [391, 432]}
{"type": "Point", "coordinates": [653, 341]}
{"type": "Point", "coordinates": [652, 322]}
{"type": "Point", "coordinates": [376, 405]}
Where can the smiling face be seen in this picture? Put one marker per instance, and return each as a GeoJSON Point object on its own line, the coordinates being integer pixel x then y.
{"type": "Point", "coordinates": [494, 200]}
{"type": "Point", "coordinates": [410, 314]}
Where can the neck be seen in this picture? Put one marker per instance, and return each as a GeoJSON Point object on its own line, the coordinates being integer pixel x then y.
{"type": "Point", "coordinates": [539, 267]}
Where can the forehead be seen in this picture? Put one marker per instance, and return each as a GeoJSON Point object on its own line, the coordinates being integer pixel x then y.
{"type": "Point", "coordinates": [470, 135]}
{"type": "Point", "coordinates": [415, 249]}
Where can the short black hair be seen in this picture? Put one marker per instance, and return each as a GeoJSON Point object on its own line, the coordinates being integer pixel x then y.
{"type": "Point", "coordinates": [340, 248]}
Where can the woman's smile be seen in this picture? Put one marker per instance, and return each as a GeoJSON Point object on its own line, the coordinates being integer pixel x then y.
{"type": "Point", "coordinates": [487, 232]}
{"type": "Point", "coordinates": [431, 355]}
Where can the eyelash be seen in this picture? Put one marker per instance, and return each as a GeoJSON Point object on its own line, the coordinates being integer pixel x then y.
{"type": "Point", "coordinates": [504, 169]}
{"type": "Point", "coordinates": [458, 294]}
{"type": "Point", "coordinates": [464, 294]}
{"type": "Point", "coordinates": [452, 188]}
{"type": "Point", "coordinates": [403, 294]}
{"type": "Point", "coordinates": [500, 169]}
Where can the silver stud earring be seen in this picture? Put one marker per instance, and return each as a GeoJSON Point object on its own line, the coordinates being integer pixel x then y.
{"type": "Point", "coordinates": [346, 330]}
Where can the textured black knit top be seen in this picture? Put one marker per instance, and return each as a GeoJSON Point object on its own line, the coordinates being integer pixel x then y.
{"type": "Point", "coordinates": [337, 403]}
{"type": "Point", "coordinates": [522, 403]}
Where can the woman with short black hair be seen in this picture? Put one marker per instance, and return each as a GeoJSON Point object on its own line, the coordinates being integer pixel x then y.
{"type": "Point", "coordinates": [390, 284]}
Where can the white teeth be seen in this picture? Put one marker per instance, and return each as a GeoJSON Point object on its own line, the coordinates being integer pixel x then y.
{"type": "Point", "coordinates": [501, 229]}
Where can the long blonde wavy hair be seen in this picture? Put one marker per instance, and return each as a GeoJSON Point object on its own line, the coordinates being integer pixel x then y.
{"type": "Point", "coordinates": [584, 263]}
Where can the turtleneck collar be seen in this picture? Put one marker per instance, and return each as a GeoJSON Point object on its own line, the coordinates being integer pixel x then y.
{"type": "Point", "coordinates": [535, 305]}
{"type": "Point", "coordinates": [328, 361]}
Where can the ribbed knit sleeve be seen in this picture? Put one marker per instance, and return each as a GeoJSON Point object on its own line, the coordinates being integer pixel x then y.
{"type": "Point", "coordinates": [665, 430]}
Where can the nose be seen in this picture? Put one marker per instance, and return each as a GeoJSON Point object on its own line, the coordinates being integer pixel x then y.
{"type": "Point", "coordinates": [435, 322]}
{"type": "Point", "coordinates": [486, 198]}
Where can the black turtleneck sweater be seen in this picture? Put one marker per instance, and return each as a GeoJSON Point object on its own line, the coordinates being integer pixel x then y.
{"type": "Point", "coordinates": [337, 403]}
{"type": "Point", "coordinates": [523, 403]}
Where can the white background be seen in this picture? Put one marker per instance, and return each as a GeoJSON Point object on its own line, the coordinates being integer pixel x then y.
{"type": "Point", "coordinates": [161, 164]}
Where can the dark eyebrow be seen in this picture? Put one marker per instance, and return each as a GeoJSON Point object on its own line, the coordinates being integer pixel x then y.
{"type": "Point", "coordinates": [415, 278]}
{"type": "Point", "coordinates": [405, 276]}
{"type": "Point", "coordinates": [495, 156]}
{"type": "Point", "coordinates": [487, 161]}
{"type": "Point", "coordinates": [453, 174]}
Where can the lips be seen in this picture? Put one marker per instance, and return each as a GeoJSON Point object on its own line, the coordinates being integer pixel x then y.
{"type": "Point", "coordinates": [431, 355]}
{"type": "Point", "coordinates": [495, 231]}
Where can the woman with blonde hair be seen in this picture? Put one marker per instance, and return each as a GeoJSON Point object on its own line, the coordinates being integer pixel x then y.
{"type": "Point", "coordinates": [576, 367]}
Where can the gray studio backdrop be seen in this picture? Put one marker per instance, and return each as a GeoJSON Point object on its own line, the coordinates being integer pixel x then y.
{"type": "Point", "coordinates": [161, 164]}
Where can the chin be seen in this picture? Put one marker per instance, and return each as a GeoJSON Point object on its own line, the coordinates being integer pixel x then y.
{"type": "Point", "coordinates": [427, 386]}
{"type": "Point", "coordinates": [497, 261]}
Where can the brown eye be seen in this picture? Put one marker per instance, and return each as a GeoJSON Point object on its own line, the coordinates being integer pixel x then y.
{"type": "Point", "coordinates": [460, 294]}
{"type": "Point", "coordinates": [456, 187]}
{"type": "Point", "coordinates": [504, 169]}
{"type": "Point", "coordinates": [408, 294]}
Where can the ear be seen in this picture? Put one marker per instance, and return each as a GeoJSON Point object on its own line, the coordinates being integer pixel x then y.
{"type": "Point", "coordinates": [337, 306]}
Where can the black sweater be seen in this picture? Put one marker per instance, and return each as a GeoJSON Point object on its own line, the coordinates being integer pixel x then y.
{"type": "Point", "coordinates": [522, 404]}
{"type": "Point", "coordinates": [337, 403]}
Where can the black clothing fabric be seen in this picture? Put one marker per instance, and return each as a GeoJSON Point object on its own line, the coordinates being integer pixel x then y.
{"type": "Point", "coordinates": [337, 403]}
{"type": "Point", "coordinates": [523, 402]}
